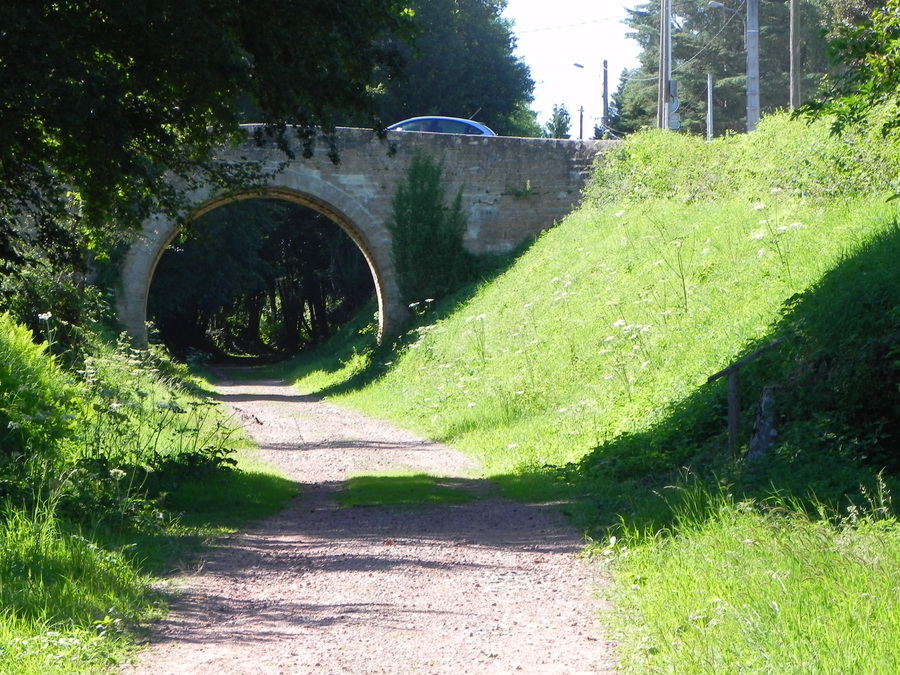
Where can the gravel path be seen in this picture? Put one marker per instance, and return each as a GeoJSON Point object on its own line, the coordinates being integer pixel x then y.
{"type": "Point", "coordinates": [489, 586]}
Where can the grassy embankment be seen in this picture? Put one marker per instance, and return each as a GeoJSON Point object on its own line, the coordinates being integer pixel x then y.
{"type": "Point", "coordinates": [105, 481]}
{"type": "Point", "coordinates": [580, 373]}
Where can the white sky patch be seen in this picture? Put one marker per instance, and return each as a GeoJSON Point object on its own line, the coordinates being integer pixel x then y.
{"type": "Point", "coordinates": [553, 36]}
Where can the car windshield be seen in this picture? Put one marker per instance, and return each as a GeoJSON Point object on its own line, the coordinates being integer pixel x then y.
{"type": "Point", "coordinates": [440, 126]}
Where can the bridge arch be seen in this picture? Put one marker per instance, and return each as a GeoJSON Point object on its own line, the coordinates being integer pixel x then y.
{"type": "Point", "coordinates": [303, 188]}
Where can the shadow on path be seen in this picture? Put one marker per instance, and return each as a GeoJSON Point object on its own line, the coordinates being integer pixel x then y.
{"type": "Point", "coordinates": [483, 586]}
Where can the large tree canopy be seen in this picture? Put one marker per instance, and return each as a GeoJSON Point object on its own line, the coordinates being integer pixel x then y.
{"type": "Point", "coordinates": [853, 12]}
{"type": "Point", "coordinates": [866, 46]}
{"type": "Point", "coordinates": [100, 100]}
{"type": "Point", "coordinates": [711, 41]}
{"type": "Point", "coordinates": [463, 65]}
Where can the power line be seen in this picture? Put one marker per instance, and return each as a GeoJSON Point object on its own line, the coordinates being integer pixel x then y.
{"type": "Point", "coordinates": [682, 65]}
{"type": "Point", "coordinates": [704, 47]}
{"type": "Point", "coordinates": [569, 25]}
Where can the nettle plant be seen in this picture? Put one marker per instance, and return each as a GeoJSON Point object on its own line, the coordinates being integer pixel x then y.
{"type": "Point", "coordinates": [142, 434]}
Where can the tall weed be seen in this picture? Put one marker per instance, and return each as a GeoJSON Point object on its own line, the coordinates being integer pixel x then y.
{"type": "Point", "coordinates": [37, 398]}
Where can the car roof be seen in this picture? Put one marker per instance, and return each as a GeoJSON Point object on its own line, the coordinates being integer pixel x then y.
{"type": "Point", "coordinates": [478, 125]}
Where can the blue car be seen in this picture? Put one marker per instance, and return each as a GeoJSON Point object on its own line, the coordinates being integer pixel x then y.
{"type": "Point", "coordinates": [442, 125]}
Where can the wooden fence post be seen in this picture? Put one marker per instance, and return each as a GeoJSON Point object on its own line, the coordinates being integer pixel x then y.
{"type": "Point", "coordinates": [734, 410]}
{"type": "Point", "coordinates": [734, 392]}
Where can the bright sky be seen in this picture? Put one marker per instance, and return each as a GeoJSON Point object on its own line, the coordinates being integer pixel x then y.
{"type": "Point", "coordinates": [554, 35]}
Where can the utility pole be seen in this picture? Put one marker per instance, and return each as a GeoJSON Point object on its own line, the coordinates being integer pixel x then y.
{"type": "Point", "coordinates": [604, 120]}
{"type": "Point", "coordinates": [667, 100]}
{"type": "Point", "coordinates": [795, 54]}
{"type": "Point", "coordinates": [665, 64]}
{"type": "Point", "coordinates": [752, 64]}
{"type": "Point", "coordinates": [709, 107]}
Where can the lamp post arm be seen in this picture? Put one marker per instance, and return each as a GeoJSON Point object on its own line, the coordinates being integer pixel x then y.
{"type": "Point", "coordinates": [718, 5]}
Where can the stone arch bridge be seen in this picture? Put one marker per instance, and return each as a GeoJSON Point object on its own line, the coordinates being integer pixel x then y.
{"type": "Point", "coordinates": [512, 189]}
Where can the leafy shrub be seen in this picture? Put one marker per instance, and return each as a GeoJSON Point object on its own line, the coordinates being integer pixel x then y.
{"type": "Point", "coordinates": [804, 161]}
{"type": "Point", "coordinates": [37, 399]}
{"type": "Point", "coordinates": [58, 307]}
{"type": "Point", "coordinates": [142, 432]}
{"type": "Point", "coordinates": [106, 449]}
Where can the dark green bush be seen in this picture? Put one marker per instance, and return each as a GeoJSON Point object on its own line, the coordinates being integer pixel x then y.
{"type": "Point", "coordinates": [427, 235]}
{"type": "Point", "coordinates": [842, 370]}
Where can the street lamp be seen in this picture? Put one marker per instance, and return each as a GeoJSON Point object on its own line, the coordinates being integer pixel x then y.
{"type": "Point", "coordinates": [712, 4]}
{"type": "Point", "coordinates": [580, 112]}
{"type": "Point", "coordinates": [604, 117]}
{"type": "Point", "coordinates": [751, 46]}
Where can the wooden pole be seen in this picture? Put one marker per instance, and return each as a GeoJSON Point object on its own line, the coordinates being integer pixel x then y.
{"type": "Point", "coordinates": [734, 410]}
{"type": "Point", "coordinates": [604, 120]}
{"type": "Point", "coordinates": [734, 391]}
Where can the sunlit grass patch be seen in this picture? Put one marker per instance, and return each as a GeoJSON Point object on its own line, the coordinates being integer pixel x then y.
{"type": "Point", "coordinates": [214, 506]}
{"type": "Point", "coordinates": [232, 498]}
{"type": "Point", "coordinates": [401, 490]}
{"type": "Point", "coordinates": [747, 587]}
{"type": "Point", "coordinates": [138, 474]}
{"type": "Point", "coordinates": [66, 601]}
{"type": "Point", "coordinates": [33, 649]}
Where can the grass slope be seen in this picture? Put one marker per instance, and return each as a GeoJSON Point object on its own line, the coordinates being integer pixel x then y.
{"type": "Point", "coordinates": [581, 373]}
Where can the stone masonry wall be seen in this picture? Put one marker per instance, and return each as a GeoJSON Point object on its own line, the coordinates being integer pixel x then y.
{"type": "Point", "coordinates": [513, 188]}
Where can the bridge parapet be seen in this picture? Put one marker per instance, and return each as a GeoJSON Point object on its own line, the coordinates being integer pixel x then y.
{"type": "Point", "coordinates": [512, 188]}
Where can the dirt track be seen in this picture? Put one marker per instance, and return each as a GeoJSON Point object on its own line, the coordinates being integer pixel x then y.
{"type": "Point", "coordinates": [489, 586]}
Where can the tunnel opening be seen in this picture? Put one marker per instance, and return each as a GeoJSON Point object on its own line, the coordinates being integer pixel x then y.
{"type": "Point", "coordinates": [257, 280]}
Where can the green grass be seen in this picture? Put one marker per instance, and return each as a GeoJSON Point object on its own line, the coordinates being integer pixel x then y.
{"type": "Point", "coordinates": [66, 601]}
{"type": "Point", "coordinates": [61, 652]}
{"type": "Point", "coordinates": [580, 375]}
{"type": "Point", "coordinates": [204, 509]}
{"type": "Point", "coordinates": [71, 599]}
{"type": "Point", "coordinates": [755, 588]}
{"type": "Point", "coordinates": [401, 490]}
{"type": "Point", "coordinates": [606, 326]}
